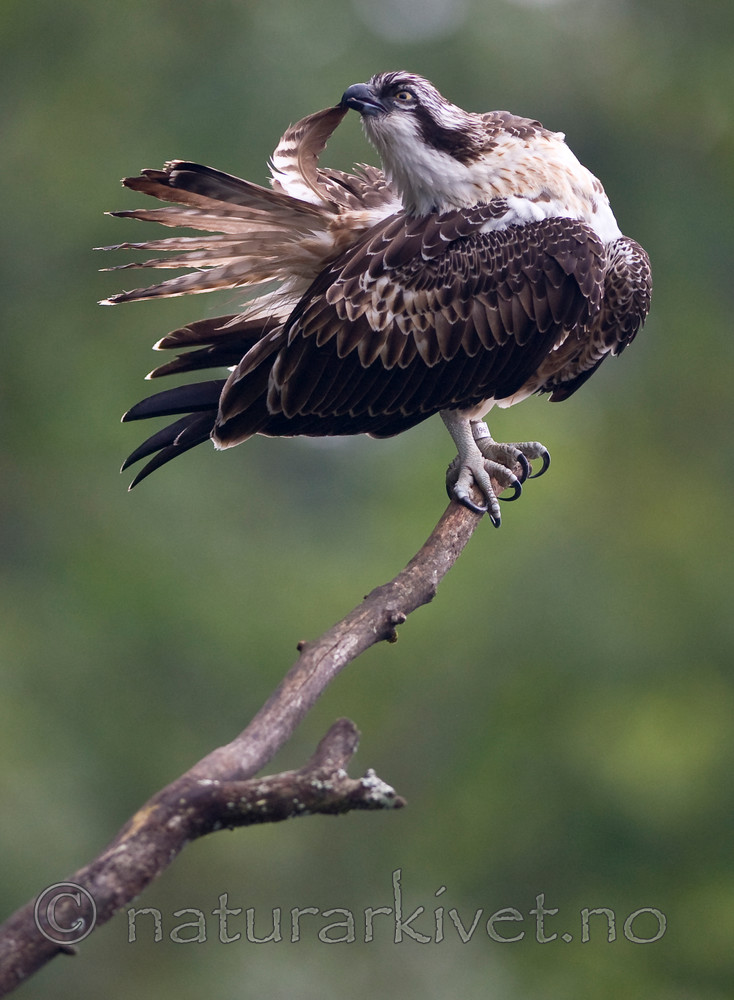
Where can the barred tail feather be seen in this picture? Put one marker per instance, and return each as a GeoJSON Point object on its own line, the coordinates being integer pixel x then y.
{"type": "Point", "coordinates": [294, 164]}
{"type": "Point", "coordinates": [254, 231]}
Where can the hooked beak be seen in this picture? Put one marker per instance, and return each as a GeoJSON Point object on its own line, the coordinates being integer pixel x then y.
{"type": "Point", "coordinates": [361, 97]}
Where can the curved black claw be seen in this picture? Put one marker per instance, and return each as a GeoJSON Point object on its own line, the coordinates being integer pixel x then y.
{"type": "Point", "coordinates": [525, 474]}
{"type": "Point", "coordinates": [545, 455]}
{"type": "Point", "coordinates": [457, 493]}
{"type": "Point", "coordinates": [516, 491]}
{"type": "Point", "coordinates": [477, 508]}
{"type": "Point", "coordinates": [459, 483]}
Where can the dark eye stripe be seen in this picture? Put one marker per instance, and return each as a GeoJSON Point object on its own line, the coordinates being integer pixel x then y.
{"type": "Point", "coordinates": [454, 141]}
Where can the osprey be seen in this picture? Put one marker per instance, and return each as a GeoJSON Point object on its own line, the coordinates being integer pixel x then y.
{"type": "Point", "coordinates": [480, 265]}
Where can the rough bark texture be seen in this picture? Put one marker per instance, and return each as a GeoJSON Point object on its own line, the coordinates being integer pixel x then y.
{"type": "Point", "coordinates": [220, 791]}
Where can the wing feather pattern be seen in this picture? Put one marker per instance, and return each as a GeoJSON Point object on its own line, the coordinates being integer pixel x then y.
{"type": "Point", "coordinates": [424, 315]}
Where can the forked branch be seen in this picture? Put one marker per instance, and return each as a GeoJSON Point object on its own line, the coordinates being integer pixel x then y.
{"type": "Point", "coordinates": [220, 791]}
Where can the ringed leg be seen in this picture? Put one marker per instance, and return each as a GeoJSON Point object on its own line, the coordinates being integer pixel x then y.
{"type": "Point", "coordinates": [471, 468]}
{"type": "Point", "coordinates": [480, 458]}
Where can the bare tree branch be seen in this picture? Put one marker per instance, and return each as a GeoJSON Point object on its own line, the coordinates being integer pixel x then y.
{"type": "Point", "coordinates": [373, 620]}
{"type": "Point", "coordinates": [183, 811]}
{"type": "Point", "coordinates": [220, 791]}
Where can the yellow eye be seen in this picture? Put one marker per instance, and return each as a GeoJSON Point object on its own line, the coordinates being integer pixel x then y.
{"type": "Point", "coordinates": [404, 97]}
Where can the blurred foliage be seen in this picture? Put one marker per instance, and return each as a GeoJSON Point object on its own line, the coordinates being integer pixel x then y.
{"type": "Point", "coordinates": [560, 718]}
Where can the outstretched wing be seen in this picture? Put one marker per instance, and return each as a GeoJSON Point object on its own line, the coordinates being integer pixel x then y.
{"type": "Point", "coordinates": [251, 235]}
{"type": "Point", "coordinates": [423, 314]}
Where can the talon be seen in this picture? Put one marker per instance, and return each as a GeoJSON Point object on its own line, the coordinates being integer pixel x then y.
{"type": "Point", "coordinates": [525, 465]}
{"type": "Point", "coordinates": [545, 455]}
{"type": "Point", "coordinates": [483, 461]}
{"type": "Point", "coordinates": [461, 495]}
{"type": "Point", "coordinates": [516, 491]}
{"type": "Point", "coordinates": [459, 481]}
{"type": "Point", "coordinates": [468, 502]}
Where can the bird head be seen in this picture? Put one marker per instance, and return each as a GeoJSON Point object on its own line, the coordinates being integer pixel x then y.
{"type": "Point", "coordinates": [428, 145]}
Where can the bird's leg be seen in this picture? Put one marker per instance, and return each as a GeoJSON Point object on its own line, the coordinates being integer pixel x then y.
{"type": "Point", "coordinates": [480, 458]}
{"type": "Point", "coordinates": [470, 468]}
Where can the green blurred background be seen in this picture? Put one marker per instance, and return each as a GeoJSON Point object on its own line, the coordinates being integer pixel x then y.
{"type": "Point", "coordinates": [560, 718]}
